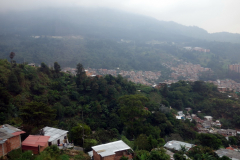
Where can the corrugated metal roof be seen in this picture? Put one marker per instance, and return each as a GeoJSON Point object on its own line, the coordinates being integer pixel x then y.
{"type": "Point", "coordinates": [229, 153]}
{"type": "Point", "coordinates": [8, 131]}
{"type": "Point", "coordinates": [54, 133]}
{"type": "Point", "coordinates": [110, 148]}
{"type": "Point", "coordinates": [35, 141]}
{"type": "Point", "coordinates": [4, 135]}
{"type": "Point", "coordinates": [9, 128]}
{"type": "Point", "coordinates": [176, 145]}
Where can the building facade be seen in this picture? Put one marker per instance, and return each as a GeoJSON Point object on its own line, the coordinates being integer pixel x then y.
{"type": "Point", "coordinates": [10, 139]}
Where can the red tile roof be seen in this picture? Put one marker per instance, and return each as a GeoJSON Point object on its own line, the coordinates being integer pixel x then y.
{"type": "Point", "coordinates": [35, 141]}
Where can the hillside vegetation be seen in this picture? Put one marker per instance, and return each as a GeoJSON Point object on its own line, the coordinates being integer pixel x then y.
{"type": "Point", "coordinates": [34, 97]}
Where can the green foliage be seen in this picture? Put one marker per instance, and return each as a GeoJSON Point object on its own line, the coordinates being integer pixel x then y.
{"type": "Point", "coordinates": [57, 67]}
{"type": "Point", "coordinates": [81, 156]}
{"type": "Point", "coordinates": [19, 155]}
{"type": "Point", "coordinates": [142, 143]}
{"type": "Point", "coordinates": [88, 143]}
{"type": "Point", "coordinates": [37, 114]}
{"type": "Point", "coordinates": [124, 158]}
{"type": "Point", "coordinates": [79, 132]}
{"type": "Point", "coordinates": [13, 85]}
{"type": "Point", "coordinates": [132, 111]}
{"type": "Point", "coordinates": [155, 154]}
{"type": "Point", "coordinates": [210, 140]}
{"type": "Point", "coordinates": [128, 142]}
{"type": "Point", "coordinates": [233, 140]}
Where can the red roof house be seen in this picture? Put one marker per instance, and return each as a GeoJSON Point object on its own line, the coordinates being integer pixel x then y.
{"type": "Point", "coordinates": [10, 139]}
{"type": "Point", "coordinates": [35, 143]}
{"type": "Point", "coordinates": [230, 148]}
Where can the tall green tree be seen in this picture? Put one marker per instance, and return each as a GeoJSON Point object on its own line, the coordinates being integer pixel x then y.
{"type": "Point", "coordinates": [57, 67]}
{"type": "Point", "coordinates": [13, 85]}
{"type": "Point", "coordinates": [81, 74]}
{"type": "Point", "coordinates": [37, 114]}
{"type": "Point", "coordinates": [132, 109]}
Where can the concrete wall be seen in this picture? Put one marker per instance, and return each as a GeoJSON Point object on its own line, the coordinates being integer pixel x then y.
{"type": "Point", "coordinates": [30, 148]}
{"type": "Point", "coordinates": [116, 156]}
{"type": "Point", "coordinates": [35, 150]}
{"type": "Point", "coordinates": [60, 138]}
{"type": "Point", "coordinates": [9, 145]}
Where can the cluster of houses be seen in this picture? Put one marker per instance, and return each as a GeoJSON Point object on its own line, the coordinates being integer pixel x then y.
{"type": "Point", "coordinates": [115, 150]}
{"type": "Point", "coordinates": [10, 139]}
{"type": "Point", "coordinates": [177, 146]}
{"type": "Point", "coordinates": [207, 125]}
{"type": "Point", "coordinates": [199, 49]}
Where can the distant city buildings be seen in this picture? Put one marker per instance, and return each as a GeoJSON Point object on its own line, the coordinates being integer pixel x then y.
{"type": "Point", "coordinates": [234, 67]}
{"type": "Point", "coordinates": [199, 49]}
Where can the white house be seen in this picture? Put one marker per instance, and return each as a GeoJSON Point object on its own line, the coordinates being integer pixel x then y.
{"type": "Point", "coordinates": [176, 145]}
{"type": "Point", "coordinates": [57, 136]}
{"type": "Point", "coordinates": [208, 118]}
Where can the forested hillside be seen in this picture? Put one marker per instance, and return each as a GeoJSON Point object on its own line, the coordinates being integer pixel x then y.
{"type": "Point", "coordinates": [112, 107]}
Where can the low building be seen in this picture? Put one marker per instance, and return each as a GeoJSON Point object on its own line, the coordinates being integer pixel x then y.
{"type": "Point", "coordinates": [231, 132]}
{"type": "Point", "coordinates": [111, 151]}
{"type": "Point", "coordinates": [32, 64]}
{"type": "Point", "coordinates": [208, 118]}
{"type": "Point", "coordinates": [234, 155]}
{"type": "Point", "coordinates": [36, 144]}
{"type": "Point", "coordinates": [206, 124]}
{"type": "Point", "coordinates": [188, 109]}
{"type": "Point", "coordinates": [10, 139]}
{"type": "Point", "coordinates": [217, 124]}
{"type": "Point", "coordinates": [57, 136]}
{"type": "Point", "coordinates": [176, 145]}
{"type": "Point", "coordinates": [222, 132]}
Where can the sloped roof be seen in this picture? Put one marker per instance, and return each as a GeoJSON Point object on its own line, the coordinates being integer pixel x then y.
{"type": "Point", "coordinates": [4, 135]}
{"type": "Point", "coordinates": [54, 133]}
{"type": "Point", "coordinates": [110, 148]}
{"type": "Point", "coordinates": [176, 145]}
{"type": "Point", "coordinates": [229, 153]}
{"type": "Point", "coordinates": [35, 141]}
{"type": "Point", "coordinates": [8, 131]}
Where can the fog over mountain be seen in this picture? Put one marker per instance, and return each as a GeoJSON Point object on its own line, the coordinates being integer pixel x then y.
{"type": "Point", "coordinates": [102, 23]}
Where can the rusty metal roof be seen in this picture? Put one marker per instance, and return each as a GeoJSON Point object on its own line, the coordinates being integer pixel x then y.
{"type": "Point", "coordinates": [35, 141]}
{"type": "Point", "coordinates": [8, 131]}
{"type": "Point", "coordinates": [4, 135]}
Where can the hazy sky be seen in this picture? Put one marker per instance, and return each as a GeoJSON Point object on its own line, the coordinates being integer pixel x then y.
{"type": "Point", "coordinates": [211, 15]}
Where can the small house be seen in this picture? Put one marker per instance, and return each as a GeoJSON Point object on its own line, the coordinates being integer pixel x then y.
{"type": "Point", "coordinates": [208, 118]}
{"type": "Point", "coordinates": [36, 144]}
{"type": "Point", "coordinates": [111, 151]}
{"type": "Point", "coordinates": [57, 136]}
{"type": "Point", "coordinates": [32, 64]}
{"type": "Point", "coordinates": [176, 145]}
{"type": "Point", "coordinates": [10, 139]}
{"type": "Point", "coordinates": [234, 155]}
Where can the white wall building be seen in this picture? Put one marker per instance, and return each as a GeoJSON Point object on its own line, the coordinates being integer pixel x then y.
{"type": "Point", "coordinates": [57, 136]}
{"type": "Point", "coordinates": [208, 118]}
{"type": "Point", "coordinates": [176, 145]}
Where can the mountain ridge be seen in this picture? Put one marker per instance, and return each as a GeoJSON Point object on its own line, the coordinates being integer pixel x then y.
{"type": "Point", "coordinates": [104, 23]}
